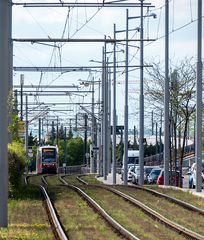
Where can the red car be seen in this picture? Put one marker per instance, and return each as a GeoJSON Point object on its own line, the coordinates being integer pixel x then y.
{"type": "Point", "coordinates": [172, 178]}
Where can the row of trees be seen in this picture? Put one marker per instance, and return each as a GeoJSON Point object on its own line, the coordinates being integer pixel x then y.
{"type": "Point", "coordinates": [182, 104]}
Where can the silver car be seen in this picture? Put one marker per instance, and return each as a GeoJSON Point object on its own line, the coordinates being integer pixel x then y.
{"type": "Point", "coordinates": [136, 174]}
{"type": "Point", "coordinates": [131, 168]}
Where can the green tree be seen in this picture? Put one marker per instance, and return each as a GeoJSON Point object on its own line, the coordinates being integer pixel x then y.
{"type": "Point", "coordinates": [75, 151]}
{"type": "Point", "coordinates": [61, 147]}
{"type": "Point", "coordinates": [13, 128]}
{"type": "Point", "coordinates": [182, 102]}
{"type": "Point", "coordinates": [61, 132]}
{"type": "Point", "coordinates": [32, 141]}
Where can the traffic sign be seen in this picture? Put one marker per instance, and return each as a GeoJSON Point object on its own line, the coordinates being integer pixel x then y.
{"type": "Point", "coordinates": [118, 128]}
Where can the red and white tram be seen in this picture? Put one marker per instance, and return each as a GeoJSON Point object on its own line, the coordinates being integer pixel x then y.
{"type": "Point", "coordinates": [47, 159]}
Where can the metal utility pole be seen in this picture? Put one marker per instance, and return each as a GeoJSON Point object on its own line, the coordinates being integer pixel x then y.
{"type": "Point", "coordinates": [141, 139]}
{"type": "Point", "coordinates": [104, 112]}
{"type": "Point", "coordinates": [135, 141]}
{"type": "Point", "coordinates": [39, 131]}
{"type": "Point", "coordinates": [160, 143]}
{"type": "Point", "coordinates": [99, 155]}
{"type": "Point", "coordinates": [42, 130]}
{"type": "Point", "coordinates": [156, 142]}
{"type": "Point", "coordinates": [92, 158]}
{"type": "Point", "coordinates": [125, 155]}
{"type": "Point", "coordinates": [26, 128]}
{"type": "Point", "coordinates": [65, 146]}
{"type": "Point", "coordinates": [166, 98]}
{"type": "Point", "coordinates": [102, 116]}
{"type": "Point", "coordinates": [53, 137]}
{"type": "Point", "coordinates": [85, 139]}
{"type": "Point", "coordinates": [114, 108]}
{"type": "Point", "coordinates": [199, 106]}
{"type": "Point", "coordinates": [57, 134]}
{"type": "Point", "coordinates": [5, 41]}
{"type": "Point", "coordinates": [21, 83]}
{"type": "Point", "coordinates": [109, 119]}
{"type": "Point", "coordinates": [10, 61]}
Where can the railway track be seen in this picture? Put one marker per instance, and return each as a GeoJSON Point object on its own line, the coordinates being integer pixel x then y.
{"type": "Point", "coordinates": [120, 227]}
{"type": "Point", "coordinates": [171, 199]}
{"type": "Point", "coordinates": [58, 231]}
{"type": "Point", "coordinates": [115, 225]}
{"type": "Point", "coordinates": [51, 181]}
{"type": "Point", "coordinates": [144, 222]}
{"type": "Point", "coordinates": [171, 224]}
{"type": "Point", "coordinates": [91, 190]}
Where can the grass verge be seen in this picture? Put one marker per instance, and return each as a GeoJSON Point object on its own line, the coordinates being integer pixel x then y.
{"type": "Point", "coordinates": [27, 217]}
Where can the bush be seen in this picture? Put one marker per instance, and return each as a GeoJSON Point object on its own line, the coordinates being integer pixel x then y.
{"type": "Point", "coordinates": [17, 163]}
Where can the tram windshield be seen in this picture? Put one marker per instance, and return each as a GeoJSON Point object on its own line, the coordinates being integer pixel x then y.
{"type": "Point", "coordinates": [48, 155]}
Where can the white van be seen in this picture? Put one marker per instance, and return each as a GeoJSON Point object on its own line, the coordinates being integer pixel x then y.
{"type": "Point", "coordinates": [133, 157]}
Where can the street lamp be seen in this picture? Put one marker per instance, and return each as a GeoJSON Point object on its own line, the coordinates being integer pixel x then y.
{"type": "Point", "coordinates": [125, 106]}
{"type": "Point", "coordinates": [141, 139]}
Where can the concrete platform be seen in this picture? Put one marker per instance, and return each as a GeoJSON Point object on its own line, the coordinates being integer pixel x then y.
{"type": "Point", "coordinates": [109, 180]}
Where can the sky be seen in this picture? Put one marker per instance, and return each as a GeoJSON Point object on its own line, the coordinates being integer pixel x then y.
{"type": "Point", "coordinates": [96, 23]}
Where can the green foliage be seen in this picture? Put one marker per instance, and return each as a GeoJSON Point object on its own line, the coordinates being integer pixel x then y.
{"type": "Point", "coordinates": [61, 145]}
{"type": "Point", "coordinates": [75, 151]}
{"type": "Point", "coordinates": [17, 163]}
{"type": "Point", "coordinates": [13, 128]}
{"type": "Point", "coordinates": [32, 141]}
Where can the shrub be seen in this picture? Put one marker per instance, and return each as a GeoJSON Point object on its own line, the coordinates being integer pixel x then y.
{"type": "Point", "coordinates": [16, 162]}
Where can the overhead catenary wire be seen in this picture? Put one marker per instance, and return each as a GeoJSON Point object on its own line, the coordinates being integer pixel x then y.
{"type": "Point", "coordinates": [160, 19]}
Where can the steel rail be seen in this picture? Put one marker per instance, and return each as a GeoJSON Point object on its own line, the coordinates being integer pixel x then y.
{"type": "Point", "coordinates": [57, 226]}
{"type": "Point", "coordinates": [174, 226]}
{"type": "Point", "coordinates": [55, 223]}
{"type": "Point", "coordinates": [124, 232]}
{"type": "Point", "coordinates": [171, 199]}
{"type": "Point", "coordinates": [178, 228]}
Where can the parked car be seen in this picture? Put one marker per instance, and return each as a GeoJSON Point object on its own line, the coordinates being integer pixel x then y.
{"type": "Point", "coordinates": [147, 171]}
{"type": "Point", "coordinates": [136, 174]}
{"type": "Point", "coordinates": [152, 178]}
{"type": "Point", "coordinates": [192, 175]}
{"type": "Point", "coordinates": [130, 169]}
{"type": "Point", "coordinates": [173, 178]}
